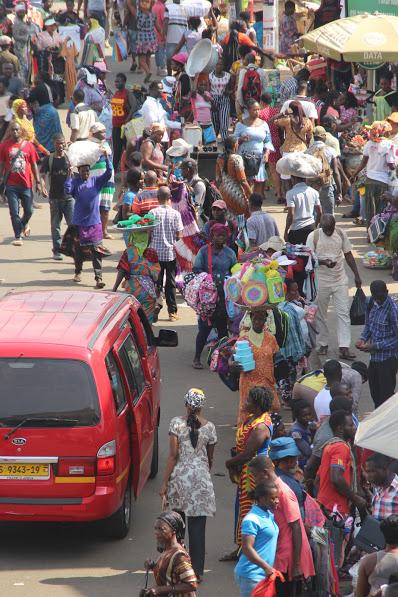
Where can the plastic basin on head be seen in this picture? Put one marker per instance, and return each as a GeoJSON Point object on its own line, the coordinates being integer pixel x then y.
{"type": "Point", "coordinates": [202, 59]}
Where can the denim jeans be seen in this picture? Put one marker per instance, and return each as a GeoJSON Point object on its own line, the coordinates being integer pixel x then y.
{"type": "Point", "coordinates": [326, 197]}
{"type": "Point", "coordinates": [60, 208]}
{"type": "Point", "coordinates": [246, 585]}
{"type": "Point", "coordinates": [17, 196]}
{"type": "Point", "coordinates": [160, 56]}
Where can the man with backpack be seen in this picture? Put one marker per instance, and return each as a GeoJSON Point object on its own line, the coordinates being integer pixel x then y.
{"type": "Point", "coordinates": [330, 171]}
{"type": "Point", "coordinates": [332, 249]}
{"type": "Point", "coordinates": [252, 82]}
{"type": "Point", "coordinates": [56, 165]}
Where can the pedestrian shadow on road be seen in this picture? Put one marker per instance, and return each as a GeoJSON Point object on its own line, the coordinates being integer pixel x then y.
{"type": "Point", "coordinates": [126, 583]}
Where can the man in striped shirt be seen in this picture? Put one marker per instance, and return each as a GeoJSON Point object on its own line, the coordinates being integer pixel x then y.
{"type": "Point", "coordinates": [380, 339]}
{"type": "Point", "coordinates": [147, 198]}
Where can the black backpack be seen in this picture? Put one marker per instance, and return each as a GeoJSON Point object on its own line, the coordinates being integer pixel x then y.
{"type": "Point", "coordinates": [212, 194]}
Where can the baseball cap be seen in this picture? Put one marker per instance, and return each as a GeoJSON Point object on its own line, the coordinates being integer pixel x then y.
{"type": "Point", "coordinates": [283, 447]}
{"type": "Point", "coordinates": [220, 204]}
{"type": "Point", "coordinates": [320, 132]}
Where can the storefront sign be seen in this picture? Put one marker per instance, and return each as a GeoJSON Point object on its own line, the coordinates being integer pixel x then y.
{"type": "Point", "coordinates": [358, 7]}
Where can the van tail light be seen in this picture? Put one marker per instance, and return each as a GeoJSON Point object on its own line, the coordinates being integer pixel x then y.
{"type": "Point", "coordinates": [106, 459]}
{"type": "Point", "coordinates": [76, 467]}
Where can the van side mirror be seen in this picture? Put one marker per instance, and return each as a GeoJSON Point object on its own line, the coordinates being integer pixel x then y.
{"type": "Point", "coordinates": [167, 338]}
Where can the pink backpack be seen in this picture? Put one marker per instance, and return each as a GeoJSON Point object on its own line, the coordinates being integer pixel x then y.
{"type": "Point", "coordinates": [201, 292]}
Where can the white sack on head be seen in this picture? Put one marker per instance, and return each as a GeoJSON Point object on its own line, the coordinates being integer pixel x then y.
{"type": "Point", "coordinates": [196, 8]}
{"type": "Point", "coordinates": [300, 164]}
{"type": "Point", "coordinates": [84, 153]}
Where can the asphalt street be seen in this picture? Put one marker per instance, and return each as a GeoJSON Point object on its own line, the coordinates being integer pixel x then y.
{"type": "Point", "coordinates": [40, 560]}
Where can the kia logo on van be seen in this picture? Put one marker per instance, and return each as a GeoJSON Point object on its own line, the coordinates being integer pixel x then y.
{"type": "Point", "coordinates": [19, 441]}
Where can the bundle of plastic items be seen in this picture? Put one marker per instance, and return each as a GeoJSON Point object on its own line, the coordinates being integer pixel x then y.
{"type": "Point", "coordinates": [377, 259]}
{"type": "Point", "coordinates": [84, 153]}
{"type": "Point", "coordinates": [255, 283]}
{"type": "Point", "coordinates": [136, 221]}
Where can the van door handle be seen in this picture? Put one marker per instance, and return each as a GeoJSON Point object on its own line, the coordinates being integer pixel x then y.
{"type": "Point", "coordinates": [154, 373]}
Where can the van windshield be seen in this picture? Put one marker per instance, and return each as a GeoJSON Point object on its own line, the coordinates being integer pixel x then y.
{"type": "Point", "coordinates": [59, 388]}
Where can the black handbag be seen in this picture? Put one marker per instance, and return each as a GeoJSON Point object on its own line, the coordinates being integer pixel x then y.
{"type": "Point", "coordinates": [370, 538]}
{"type": "Point", "coordinates": [252, 162]}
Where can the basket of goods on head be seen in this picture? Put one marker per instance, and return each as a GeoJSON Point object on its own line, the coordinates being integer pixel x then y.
{"type": "Point", "coordinates": [257, 283]}
{"type": "Point", "coordinates": [137, 223]}
{"type": "Point", "coordinates": [378, 258]}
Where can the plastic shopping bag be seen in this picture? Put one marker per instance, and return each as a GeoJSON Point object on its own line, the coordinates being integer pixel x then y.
{"type": "Point", "coordinates": [358, 308]}
{"type": "Point", "coordinates": [266, 587]}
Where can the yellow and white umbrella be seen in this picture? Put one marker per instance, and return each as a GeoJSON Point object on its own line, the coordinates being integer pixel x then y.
{"type": "Point", "coordinates": [366, 38]}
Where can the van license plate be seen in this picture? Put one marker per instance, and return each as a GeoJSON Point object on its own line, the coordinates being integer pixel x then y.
{"type": "Point", "coordinates": [26, 471]}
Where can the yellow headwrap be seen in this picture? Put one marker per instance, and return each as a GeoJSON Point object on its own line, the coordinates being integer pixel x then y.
{"type": "Point", "coordinates": [28, 131]}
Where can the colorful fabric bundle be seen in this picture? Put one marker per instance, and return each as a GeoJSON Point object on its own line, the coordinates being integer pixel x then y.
{"type": "Point", "coordinates": [119, 50]}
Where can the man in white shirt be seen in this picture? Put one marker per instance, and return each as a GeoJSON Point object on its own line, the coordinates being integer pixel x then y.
{"type": "Point", "coordinates": [153, 111]}
{"type": "Point", "coordinates": [302, 203]}
{"type": "Point", "coordinates": [307, 105]}
{"type": "Point", "coordinates": [175, 26]}
{"type": "Point", "coordinates": [379, 161]}
{"type": "Point", "coordinates": [249, 65]}
{"type": "Point", "coordinates": [332, 371]}
{"type": "Point", "coordinates": [82, 118]}
{"type": "Point", "coordinates": [332, 249]}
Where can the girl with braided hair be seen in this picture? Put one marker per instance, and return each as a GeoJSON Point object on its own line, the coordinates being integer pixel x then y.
{"type": "Point", "coordinates": [187, 486]}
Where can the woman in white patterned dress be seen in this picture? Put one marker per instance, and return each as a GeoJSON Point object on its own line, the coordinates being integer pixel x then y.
{"type": "Point", "coordinates": [187, 486]}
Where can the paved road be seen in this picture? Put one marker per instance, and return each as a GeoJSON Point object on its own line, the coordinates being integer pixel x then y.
{"type": "Point", "coordinates": [39, 560]}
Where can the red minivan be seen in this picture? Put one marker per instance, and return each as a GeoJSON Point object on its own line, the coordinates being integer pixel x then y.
{"type": "Point", "coordinates": [79, 406]}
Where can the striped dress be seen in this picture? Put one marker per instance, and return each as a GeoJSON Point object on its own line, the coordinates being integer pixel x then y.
{"type": "Point", "coordinates": [107, 192]}
{"type": "Point", "coordinates": [246, 481]}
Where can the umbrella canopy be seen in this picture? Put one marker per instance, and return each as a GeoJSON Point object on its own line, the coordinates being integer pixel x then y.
{"type": "Point", "coordinates": [379, 430]}
{"type": "Point", "coordinates": [367, 38]}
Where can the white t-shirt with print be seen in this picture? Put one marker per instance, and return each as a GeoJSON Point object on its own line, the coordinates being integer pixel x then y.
{"type": "Point", "coordinates": [380, 155]}
{"type": "Point", "coordinates": [330, 247]}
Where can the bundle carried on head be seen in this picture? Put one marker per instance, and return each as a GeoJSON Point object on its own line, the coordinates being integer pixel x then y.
{"type": "Point", "coordinates": [300, 164]}
{"type": "Point", "coordinates": [84, 153]}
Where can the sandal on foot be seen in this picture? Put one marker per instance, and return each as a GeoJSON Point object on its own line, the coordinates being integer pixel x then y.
{"type": "Point", "coordinates": [346, 355]}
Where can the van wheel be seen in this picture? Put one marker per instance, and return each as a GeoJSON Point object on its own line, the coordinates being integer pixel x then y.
{"type": "Point", "coordinates": [155, 455]}
{"type": "Point", "coordinates": [118, 525]}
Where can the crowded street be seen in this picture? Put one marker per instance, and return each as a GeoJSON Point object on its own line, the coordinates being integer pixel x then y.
{"type": "Point", "coordinates": [242, 188]}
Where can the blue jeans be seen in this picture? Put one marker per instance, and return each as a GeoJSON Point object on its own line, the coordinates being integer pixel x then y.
{"type": "Point", "coordinates": [160, 56]}
{"type": "Point", "coordinates": [17, 196]}
{"type": "Point", "coordinates": [60, 208]}
{"type": "Point", "coordinates": [326, 197]}
{"type": "Point", "coordinates": [246, 585]}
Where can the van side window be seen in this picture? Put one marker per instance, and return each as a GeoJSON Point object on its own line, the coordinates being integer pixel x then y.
{"type": "Point", "coordinates": [119, 396]}
{"type": "Point", "coordinates": [130, 358]}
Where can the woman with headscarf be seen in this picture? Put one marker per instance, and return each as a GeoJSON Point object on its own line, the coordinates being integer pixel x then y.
{"type": "Point", "coordinates": [187, 486]}
{"type": "Point", "coordinates": [252, 439]}
{"type": "Point", "coordinates": [215, 258]}
{"type": "Point", "coordinates": [173, 570]}
{"type": "Point", "coordinates": [94, 43]}
{"type": "Point", "coordinates": [46, 122]}
{"type": "Point", "coordinates": [20, 109]}
{"type": "Point", "coordinates": [264, 346]}
{"type": "Point", "coordinates": [183, 86]}
{"type": "Point", "coordinates": [139, 268]}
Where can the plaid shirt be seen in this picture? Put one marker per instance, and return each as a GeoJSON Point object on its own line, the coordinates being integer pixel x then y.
{"type": "Point", "coordinates": [288, 89]}
{"type": "Point", "coordinates": [385, 500]}
{"type": "Point", "coordinates": [164, 236]}
{"type": "Point", "coordinates": [381, 328]}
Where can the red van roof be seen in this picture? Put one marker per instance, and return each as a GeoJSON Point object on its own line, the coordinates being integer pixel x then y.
{"type": "Point", "coordinates": [56, 316]}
